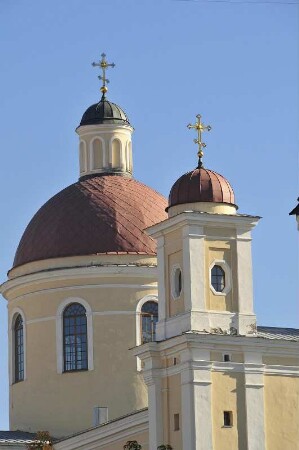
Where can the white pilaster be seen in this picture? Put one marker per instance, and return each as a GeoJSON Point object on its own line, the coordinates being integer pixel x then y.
{"type": "Point", "coordinates": [244, 261]}
{"type": "Point", "coordinates": [254, 398]}
{"type": "Point", "coordinates": [196, 406]}
{"type": "Point", "coordinates": [194, 267]}
{"type": "Point", "coordinates": [155, 411]}
{"type": "Point", "coordinates": [160, 327]}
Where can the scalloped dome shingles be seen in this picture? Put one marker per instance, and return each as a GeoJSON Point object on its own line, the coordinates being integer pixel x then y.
{"type": "Point", "coordinates": [105, 214]}
{"type": "Point", "coordinates": [201, 185]}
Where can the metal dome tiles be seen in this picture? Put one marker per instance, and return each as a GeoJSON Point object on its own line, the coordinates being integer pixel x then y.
{"type": "Point", "coordinates": [201, 185]}
{"type": "Point", "coordinates": [105, 214]}
{"type": "Point", "coordinates": [104, 112]}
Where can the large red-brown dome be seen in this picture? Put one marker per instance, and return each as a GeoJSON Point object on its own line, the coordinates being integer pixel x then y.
{"type": "Point", "coordinates": [201, 185]}
{"type": "Point", "coordinates": [102, 214]}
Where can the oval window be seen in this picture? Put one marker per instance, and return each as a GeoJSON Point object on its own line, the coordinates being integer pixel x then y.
{"type": "Point", "coordinates": [177, 282]}
{"type": "Point", "coordinates": [218, 278]}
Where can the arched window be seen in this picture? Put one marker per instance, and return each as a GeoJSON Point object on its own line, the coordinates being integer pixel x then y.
{"type": "Point", "coordinates": [149, 318]}
{"type": "Point", "coordinates": [75, 338]}
{"type": "Point", "coordinates": [218, 278]}
{"type": "Point", "coordinates": [19, 349]}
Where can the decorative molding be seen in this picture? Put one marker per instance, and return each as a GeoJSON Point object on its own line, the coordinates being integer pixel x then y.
{"type": "Point", "coordinates": [64, 274]}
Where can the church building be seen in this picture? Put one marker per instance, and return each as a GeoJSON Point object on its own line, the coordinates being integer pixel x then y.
{"type": "Point", "coordinates": [131, 317]}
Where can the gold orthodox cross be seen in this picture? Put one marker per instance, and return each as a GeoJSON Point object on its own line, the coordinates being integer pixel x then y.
{"type": "Point", "coordinates": [104, 65]}
{"type": "Point", "coordinates": [199, 127]}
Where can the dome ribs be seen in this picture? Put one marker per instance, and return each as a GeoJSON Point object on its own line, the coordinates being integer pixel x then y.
{"type": "Point", "coordinates": [201, 185]}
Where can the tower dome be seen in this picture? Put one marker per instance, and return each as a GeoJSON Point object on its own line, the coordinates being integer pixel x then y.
{"type": "Point", "coordinates": [201, 185]}
{"type": "Point", "coordinates": [104, 112]}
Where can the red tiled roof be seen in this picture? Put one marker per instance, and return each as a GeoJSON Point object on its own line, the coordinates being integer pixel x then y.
{"type": "Point", "coordinates": [201, 185]}
{"type": "Point", "coordinates": [104, 214]}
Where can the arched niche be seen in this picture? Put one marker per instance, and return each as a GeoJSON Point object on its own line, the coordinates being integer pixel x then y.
{"type": "Point", "coordinates": [97, 154]}
{"type": "Point", "coordinates": [116, 154]}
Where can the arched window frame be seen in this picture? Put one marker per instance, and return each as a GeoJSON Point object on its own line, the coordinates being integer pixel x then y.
{"type": "Point", "coordinates": [227, 272]}
{"type": "Point", "coordinates": [59, 332]}
{"type": "Point", "coordinates": [14, 314]}
{"type": "Point", "coordinates": [147, 298]}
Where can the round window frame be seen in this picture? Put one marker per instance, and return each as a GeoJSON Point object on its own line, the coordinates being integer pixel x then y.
{"type": "Point", "coordinates": [175, 295]}
{"type": "Point", "coordinates": [227, 273]}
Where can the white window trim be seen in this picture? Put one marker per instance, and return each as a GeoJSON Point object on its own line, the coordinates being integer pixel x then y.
{"type": "Point", "coordinates": [172, 282]}
{"type": "Point", "coordinates": [228, 276]}
{"type": "Point", "coordinates": [59, 331]}
{"type": "Point", "coordinates": [15, 312]}
{"type": "Point", "coordinates": [147, 298]}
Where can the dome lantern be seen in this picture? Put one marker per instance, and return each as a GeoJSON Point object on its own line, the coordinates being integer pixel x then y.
{"type": "Point", "coordinates": [105, 134]}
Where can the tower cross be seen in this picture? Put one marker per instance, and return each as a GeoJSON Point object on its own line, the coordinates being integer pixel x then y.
{"type": "Point", "coordinates": [104, 65]}
{"type": "Point", "coordinates": [199, 127]}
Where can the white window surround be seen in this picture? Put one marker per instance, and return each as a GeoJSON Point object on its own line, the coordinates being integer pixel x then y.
{"type": "Point", "coordinates": [59, 331]}
{"type": "Point", "coordinates": [228, 276]}
{"type": "Point", "coordinates": [175, 295]}
{"type": "Point", "coordinates": [147, 298]}
{"type": "Point", "coordinates": [15, 312]}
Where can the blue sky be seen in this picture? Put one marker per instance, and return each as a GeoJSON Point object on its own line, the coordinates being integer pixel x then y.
{"type": "Point", "coordinates": [235, 63]}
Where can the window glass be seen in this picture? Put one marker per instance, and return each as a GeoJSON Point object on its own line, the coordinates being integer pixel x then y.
{"type": "Point", "coordinates": [149, 318]}
{"type": "Point", "coordinates": [75, 338]}
{"type": "Point", "coordinates": [227, 418]}
{"type": "Point", "coordinates": [19, 348]}
{"type": "Point", "coordinates": [177, 282]}
{"type": "Point", "coordinates": [218, 278]}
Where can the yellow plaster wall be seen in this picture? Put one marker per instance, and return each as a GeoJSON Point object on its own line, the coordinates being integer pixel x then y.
{"type": "Point", "coordinates": [281, 412]}
{"type": "Point", "coordinates": [280, 361]}
{"type": "Point", "coordinates": [220, 250]}
{"type": "Point", "coordinates": [173, 255]}
{"type": "Point", "coordinates": [44, 391]}
{"type": "Point", "coordinates": [228, 395]}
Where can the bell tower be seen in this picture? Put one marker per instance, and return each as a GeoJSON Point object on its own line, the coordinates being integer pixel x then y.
{"type": "Point", "coordinates": [204, 256]}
